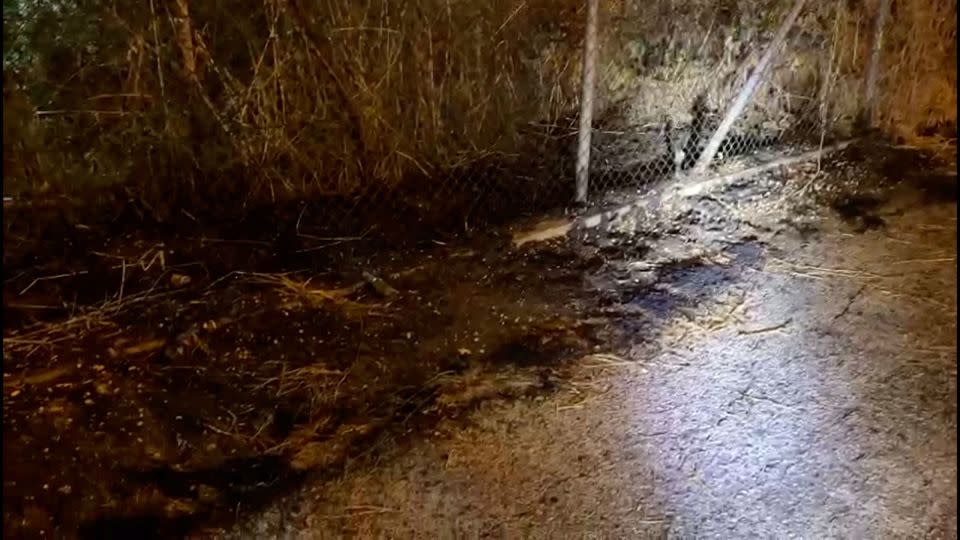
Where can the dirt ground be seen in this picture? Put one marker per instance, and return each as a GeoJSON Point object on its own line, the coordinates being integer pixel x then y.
{"type": "Point", "coordinates": [172, 405]}
{"type": "Point", "coordinates": [802, 383]}
{"type": "Point", "coordinates": [772, 358]}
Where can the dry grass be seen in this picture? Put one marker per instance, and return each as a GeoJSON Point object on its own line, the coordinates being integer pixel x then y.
{"type": "Point", "coordinates": [219, 103]}
{"type": "Point", "coordinates": [918, 86]}
{"type": "Point", "coordinates": [460, 391]}
{"type": "Point", "coordinates": [97, 319]}
{"type": "Point", "coordinates": [282, 99]}
{"type": "Point", "coordinates": [300, 294]}
{"type": "Point", "coordinates": [654, 64]}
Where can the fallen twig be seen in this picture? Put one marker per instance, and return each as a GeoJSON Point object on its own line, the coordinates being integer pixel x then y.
{"type": "Point", "coordinates": [205, 240]}
{"type": "Point", "coordinates": [50, 278]}
{"type": "Point", "coordinates": [918, 261]}
{"type": "Point", "coordinates": [607, 360]}
{"type": "Point", "coordinates": [382, 287]}
{"type": "Point", "coordinates": [765, 329]}
{"type": "Point", "coordinates": [849, 303]}
{"type": "Point", "coordinates": [360, 511]}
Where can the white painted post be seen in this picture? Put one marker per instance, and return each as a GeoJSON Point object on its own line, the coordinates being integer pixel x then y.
{"type": "Point", "coordinates": [873, 68]}
{"type": "Point", "coordinates": [733, 113]}
{"type": "Point", "coordinates": [586, 100]}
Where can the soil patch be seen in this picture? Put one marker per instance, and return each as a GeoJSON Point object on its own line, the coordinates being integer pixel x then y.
{"type": "Point", "coordinates": [202, 377]}
{"type": "Point", "coordinates": [169, 407]}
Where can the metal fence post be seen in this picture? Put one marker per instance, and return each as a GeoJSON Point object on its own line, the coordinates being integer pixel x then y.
{"type": "Point", "coordinates": [586, 100]}
{"type": "Point", "coordinates": [873, 68]}
{"type": "Point", "coordinates": [747, 92]}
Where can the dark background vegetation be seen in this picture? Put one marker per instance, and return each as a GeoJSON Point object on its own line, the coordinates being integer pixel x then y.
{"type": "Point", "coordinates": [217, 105]}
{"type": "Point", "coordinates": [208, 108]}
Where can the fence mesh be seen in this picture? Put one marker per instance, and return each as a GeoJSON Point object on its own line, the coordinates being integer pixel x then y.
{"type": "Point", "coordinates": [666, 80]}
{"type": "Point", "coordinates": [666, 73]}
{"type": "Point", "coordinates": [384, 117]}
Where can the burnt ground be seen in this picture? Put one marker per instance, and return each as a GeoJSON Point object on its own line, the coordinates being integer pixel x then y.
{"type": "Point", "coordinates": [229, 374]}
{"type": "Point", "coordinates": [161, 408]}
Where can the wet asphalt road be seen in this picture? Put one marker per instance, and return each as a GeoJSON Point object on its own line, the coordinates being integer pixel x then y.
{"type": "Point", "coordinates": [814, 396]}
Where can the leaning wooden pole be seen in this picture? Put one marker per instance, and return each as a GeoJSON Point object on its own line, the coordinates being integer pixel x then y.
{"type": "Point", "coordinates": [873, 68]}
{"type": "Point", "coordinates": [586, 100]}
{"type": "Point", "coordinates": [733, 113]}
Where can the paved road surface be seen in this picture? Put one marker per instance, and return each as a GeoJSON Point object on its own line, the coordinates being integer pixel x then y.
{"type": "Point", "coordinates": [814, 396]}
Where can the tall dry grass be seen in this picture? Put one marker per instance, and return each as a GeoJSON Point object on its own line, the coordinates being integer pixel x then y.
{"type": "Point", "coordinates": [276, 99]}
{"type": "Point", "coordinates": [225, 102]}
{"type": "Point", "coordinates": [918, 83]}
{"type": "Point", "coordinates": [659, 58]}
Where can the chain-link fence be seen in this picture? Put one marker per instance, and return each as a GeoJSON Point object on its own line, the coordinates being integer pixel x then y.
{"type": "Point", "coordinates": [367, 115]}
{"type": "Point", "coordinates": [667, 79]}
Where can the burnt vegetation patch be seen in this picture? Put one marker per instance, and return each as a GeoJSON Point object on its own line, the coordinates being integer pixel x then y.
{"type": "Point", "coordinates": [174, 406]}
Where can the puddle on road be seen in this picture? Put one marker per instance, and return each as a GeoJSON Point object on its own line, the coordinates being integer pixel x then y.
{"type": "Point", "coordinates": [686, 283]}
